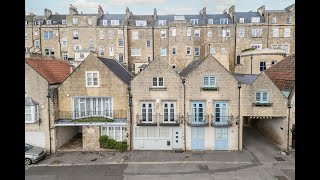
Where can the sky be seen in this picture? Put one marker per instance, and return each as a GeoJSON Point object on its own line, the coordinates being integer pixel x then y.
{"type": "Point", "coordinates": [142, 7]}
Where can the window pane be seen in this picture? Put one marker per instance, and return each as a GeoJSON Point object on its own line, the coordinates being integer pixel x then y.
{"type": "Point", "coordinates": [160, 81]}
{"type": "Point", "coordinates": [154, 81]}
{"type": "Point", "coordinates": [265, 97]}
{"type": "Point", "coordinates": [257, 96]}
{"type": "Point", "coordinates": [206, 81]}
{"type": "Point", "coordinates": [212, 81]}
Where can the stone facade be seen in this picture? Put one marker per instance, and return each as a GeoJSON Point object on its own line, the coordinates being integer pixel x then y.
{"type": "Point", "coordinates": [226, 40]}
{"type": "Point", "coordinates": [90, 138]}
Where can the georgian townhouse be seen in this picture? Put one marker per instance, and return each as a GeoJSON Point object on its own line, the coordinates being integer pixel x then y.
{"type": "Point", "coordinates": [268, 102]}
{"type": "Point", "coordinates": [93, 101]}
{"type": "Point", "coordinates": [211, 106]}
{"type": "Point", "coordinates": [41, 80]}
{"type": "Point", "coordinates": [157, 112]}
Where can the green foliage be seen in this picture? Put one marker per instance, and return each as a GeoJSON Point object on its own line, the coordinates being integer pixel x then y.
{"type": "Point", "coordinates": [107, 143]}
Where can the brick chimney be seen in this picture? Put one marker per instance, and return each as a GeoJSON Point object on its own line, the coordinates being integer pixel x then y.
{"type": "Point", "coordinates": [47, 13]}
{"type": "Point", "coordinates": [262, 10]}
{"type": "Point", "coordinates": [100, 11]}
{"type": "Point", "coordinates": [72, 10]}
{"type": "Point", "coordinates": [225, 11]}
{"type": "Point", "coordinates": [231, 12]}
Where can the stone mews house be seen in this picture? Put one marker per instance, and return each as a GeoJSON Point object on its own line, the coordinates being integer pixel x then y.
{"type": "Point", "coordinates": [211, 106]}
{"type": "Point", "coordinates": [93, 101]}
{"type": "Point", "coordinates": [157, 97]}
{"type": "Point", "coordinates": [41, 80]}
{"type": "Point", "coordinates": [268, 103]}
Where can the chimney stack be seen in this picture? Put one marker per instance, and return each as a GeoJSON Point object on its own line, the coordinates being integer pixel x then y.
{"type": "Point", "coordinates": [231, 12]}
{"type": "Point", "coordinates": [261, 10]}
{"type": "Point", "coordinates": [72, 10]}
{"type": "Point", "coordinates": [100, 11]}
{"type": "Point", "coordinates": [47, 13]}
{"type": "Point", "coordinates": [154, 14]}
{"type": "Point", "coordinates": [225, 11]}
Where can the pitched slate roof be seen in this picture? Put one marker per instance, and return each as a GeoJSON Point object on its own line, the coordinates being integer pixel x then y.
{"type": "Point", "coordinates": [187, 70]}
{"type": "Point", "coordinates": [120, 17]}
{"type": "Point", "coordinates": [54, 71]}
{"type": "Point", "coordinates": [56, 18]}
{"type": "Point", "coordinates": [216, 18]}
{"type": "Point", "coordinates": [117, 69]}
{"type": "Point", "coordinates": [245, 78]}
{"type": "Point", "coordinates": [28, 101]}
{"type": "Point", "coordinates": [283, 73]}
{"type": "Point", "coordinates": [247, 16]}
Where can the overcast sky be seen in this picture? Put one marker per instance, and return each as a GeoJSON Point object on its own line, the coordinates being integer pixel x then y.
{"type": "Point", "coordinates": [146, 6]}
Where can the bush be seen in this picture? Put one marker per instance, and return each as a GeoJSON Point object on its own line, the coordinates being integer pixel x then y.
{"type": "Point", "coordinates": [107, 143]}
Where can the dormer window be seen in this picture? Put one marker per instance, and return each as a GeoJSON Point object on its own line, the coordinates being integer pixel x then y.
{"type": "Point", "coordinates": [104, 22]}
{"type": "Point", "coordinates": [162, 22]}
{"type": "Point", "coordinates": [224, 21]}
{"type": "Point", "coordinates": [115, 23]}
{"type": "Point", "coordinates": [241, 20]}
{"type": "Point", "coordinates": [64, 21]}
{"type": "Point", "coordinates": [210, 21]}
{"type": "Point", "coordinates": [75, 21]}
{"type": "Point", "coordinates": [255, 19]}
{"type": "Point", "coordinates": [49, 22]}
{"type": "Point", "coordinates": [141, 23]}
{"type": "Point", "coordinates": [194, 21]}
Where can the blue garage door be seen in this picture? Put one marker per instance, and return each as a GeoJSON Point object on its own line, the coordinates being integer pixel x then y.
{"type": "Point", "coordinates": [197, 138]}
{"type": "Point", "coordinates": [221, 138]}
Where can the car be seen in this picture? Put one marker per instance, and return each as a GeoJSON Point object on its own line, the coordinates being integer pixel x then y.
{"type": "Point", "coordinates": [33, 154]}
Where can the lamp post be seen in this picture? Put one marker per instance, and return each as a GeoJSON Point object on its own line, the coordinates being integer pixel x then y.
{"type": "Point", "coordinates": [288, 138]}
{"type": "Point", "coordinates": [239, 87]}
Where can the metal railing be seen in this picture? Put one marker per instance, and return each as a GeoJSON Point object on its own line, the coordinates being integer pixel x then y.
{"type": "Point", "coordinates": [220, 121]}
{"type": "Point", "coordinates": [198, 121]}
{"type": "Point", "coordinates": [158, 120]}
{"type": "Point", "coordinates": [121, 114]}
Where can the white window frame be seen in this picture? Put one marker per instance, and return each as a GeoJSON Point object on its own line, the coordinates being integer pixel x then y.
{"type": "Point", "coordinates": [241, 20]}
{"type": "Point", "coordinates": [147, 108]}
{"type": "Point", "coordinates": [101, 50]}
{"type": "Point", "coordinates": [163, 34]}
{"type": "Point", "coordinates": [168, 118]}
{"type": "Point", "coordinates": [141, 23]}
{"type": "Point", "coordinates": [49, 22]}
{"type": "Point", "coordinates": [36, 43]}
{"type": "Point", "coordinates": [75, 34]}
{"type": "Point", "coordinates": [135, 52]}
{"type": "Point", "coordinates": [34, 114]}
{"type": "Point", "coordinates": [148, 47]}
{"type": "Point", "coordinates": [189, 31]}
{"type": "Point", "coordinates": [255, 19]}
{"type": "Point", "coordinates": [120, 31]}
{"type": "Point", "coordinates": [162, 22]}
{"type": "Point", "coordinates": [256, 46]}
{"type": "Point", "coordinates": [110, 131]}
{"type": "Point", "coordinates": [50, 51]}
{"type": "Point", "coordinates": [224, 21]}
{"type": "Point", "coordinates": [275, 32]}
{"type": "Point", "coordinates": [288, 20]}
{"type": "Point", "coordinates": [93, 106]}
{"type": "Point", "coordinates": [104, 22]}
{"type": "Point", "coordinates": [209, 34]}
{"type": "Point", "coordinates": [81, 55]}
{"type": "Point", "coordinates": [226, 33]}
{"type": "Point", "coordinates": [173, 32]}
{"type": "Point", "coordinates": [210, 21]}
{"type": "Point", "coordinates": [121, 60]}
{"type": "Point", "coordinates": [77, 47]}
{"type": "Point", "coordinates": [265, 65]}
{"type": "Point", "coordinates": [286, 32]}
{"type": "Point", "coordinates": [241, 32]}
{"type": "Point", "coordinates": [163, 52]}
{"type": "Point", "coordinates": [135, 34]}
{"type": "Point", "coordinates": [120, 42]}
{"type": "Point", "coordinates": [197, 33]}
{"type": "Point", "coordinates": [98, 79]}
{"type": "Point", "coordinates": [256, 33]}
{"type": "Point", "coordinates": [74, 21]}
{"type": "Point", "coordinates": [211, 81]}
{"type": "Point", "coordinates": [157, 81]}
{"type": "Point", "coordinates": [111, 51]}
{"type": "Point", "coordinates": [115, 22]}
{"type": "Point", "coordinates": [194, 21]}
{"type": "Point", "coordinates": [90, 22]}
{"type": "Point", "coordinates": [274, 20]}
{"type": "Point", "coordinates": [65, 56]}
{"type": "Point", "coordinates": [261, 97]}
{"type": "Point", "coordinates": [190, 50]}
{"type": "Point", "coordinates": [195, 52]}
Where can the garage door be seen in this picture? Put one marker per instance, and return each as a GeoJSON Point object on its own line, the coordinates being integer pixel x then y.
{"type": "Point", "coordinates": [197, 138]}
{"type": "Point", "coordinates": [36, 138]}
{"type": "Point", "coordinates": [221, 138]}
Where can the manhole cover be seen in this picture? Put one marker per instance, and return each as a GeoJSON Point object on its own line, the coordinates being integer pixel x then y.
{"type": "Point", "coordinates": [281, 178]}
{"type": "Point", "coordinates": [279, 158]}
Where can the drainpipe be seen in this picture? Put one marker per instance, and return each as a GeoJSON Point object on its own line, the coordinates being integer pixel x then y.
{"type": "Point", "coordinates": [184, 113]}
{"type": "Point", "coordinates": [49, 118]}
{"type": "Point", "coordinates": [289, 107]}
{"type": "Point", "coordinates": [152, 42]}
{"type": "Point", "coordinates": [268, 31]}
{"type": "Point", "coordinates": [130, 113]}
{"type": "Point", "coordinates": [251, 63]}
{"type": "Point", "coordinates": [239, 87]}
{"type": "Point", "coordinates": [124, 46]}
{"type": "Point", "coordinates": [235, 43]}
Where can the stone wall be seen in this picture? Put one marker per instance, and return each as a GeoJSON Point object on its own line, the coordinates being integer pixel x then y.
{"type": "Point", "coordinates": [90, 138]}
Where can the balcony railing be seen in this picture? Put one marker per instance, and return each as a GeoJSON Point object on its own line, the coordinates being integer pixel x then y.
{"type": "Point", "coordinates": [158, 120]}
{"type": "Point", "coordinates": [198, 121]}
{"type": "Point", "coordinates": [119, 114]}
{"type": "Point", "coordinates": [221, 121]}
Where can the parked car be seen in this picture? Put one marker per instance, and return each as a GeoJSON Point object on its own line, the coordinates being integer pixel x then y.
{"type": "Point", "coordinates": [33, 154]}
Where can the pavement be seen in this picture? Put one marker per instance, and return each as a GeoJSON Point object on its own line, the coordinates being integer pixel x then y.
{"type": "Point", "coordinates": [258, 160]}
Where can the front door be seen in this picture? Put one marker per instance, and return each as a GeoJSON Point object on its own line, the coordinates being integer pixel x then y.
{"type": "Point", "coordinates": [221, 128]}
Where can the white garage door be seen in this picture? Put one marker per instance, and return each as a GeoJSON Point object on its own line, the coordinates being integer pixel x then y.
{"type": "Point", "coordinates": [36, 138]}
